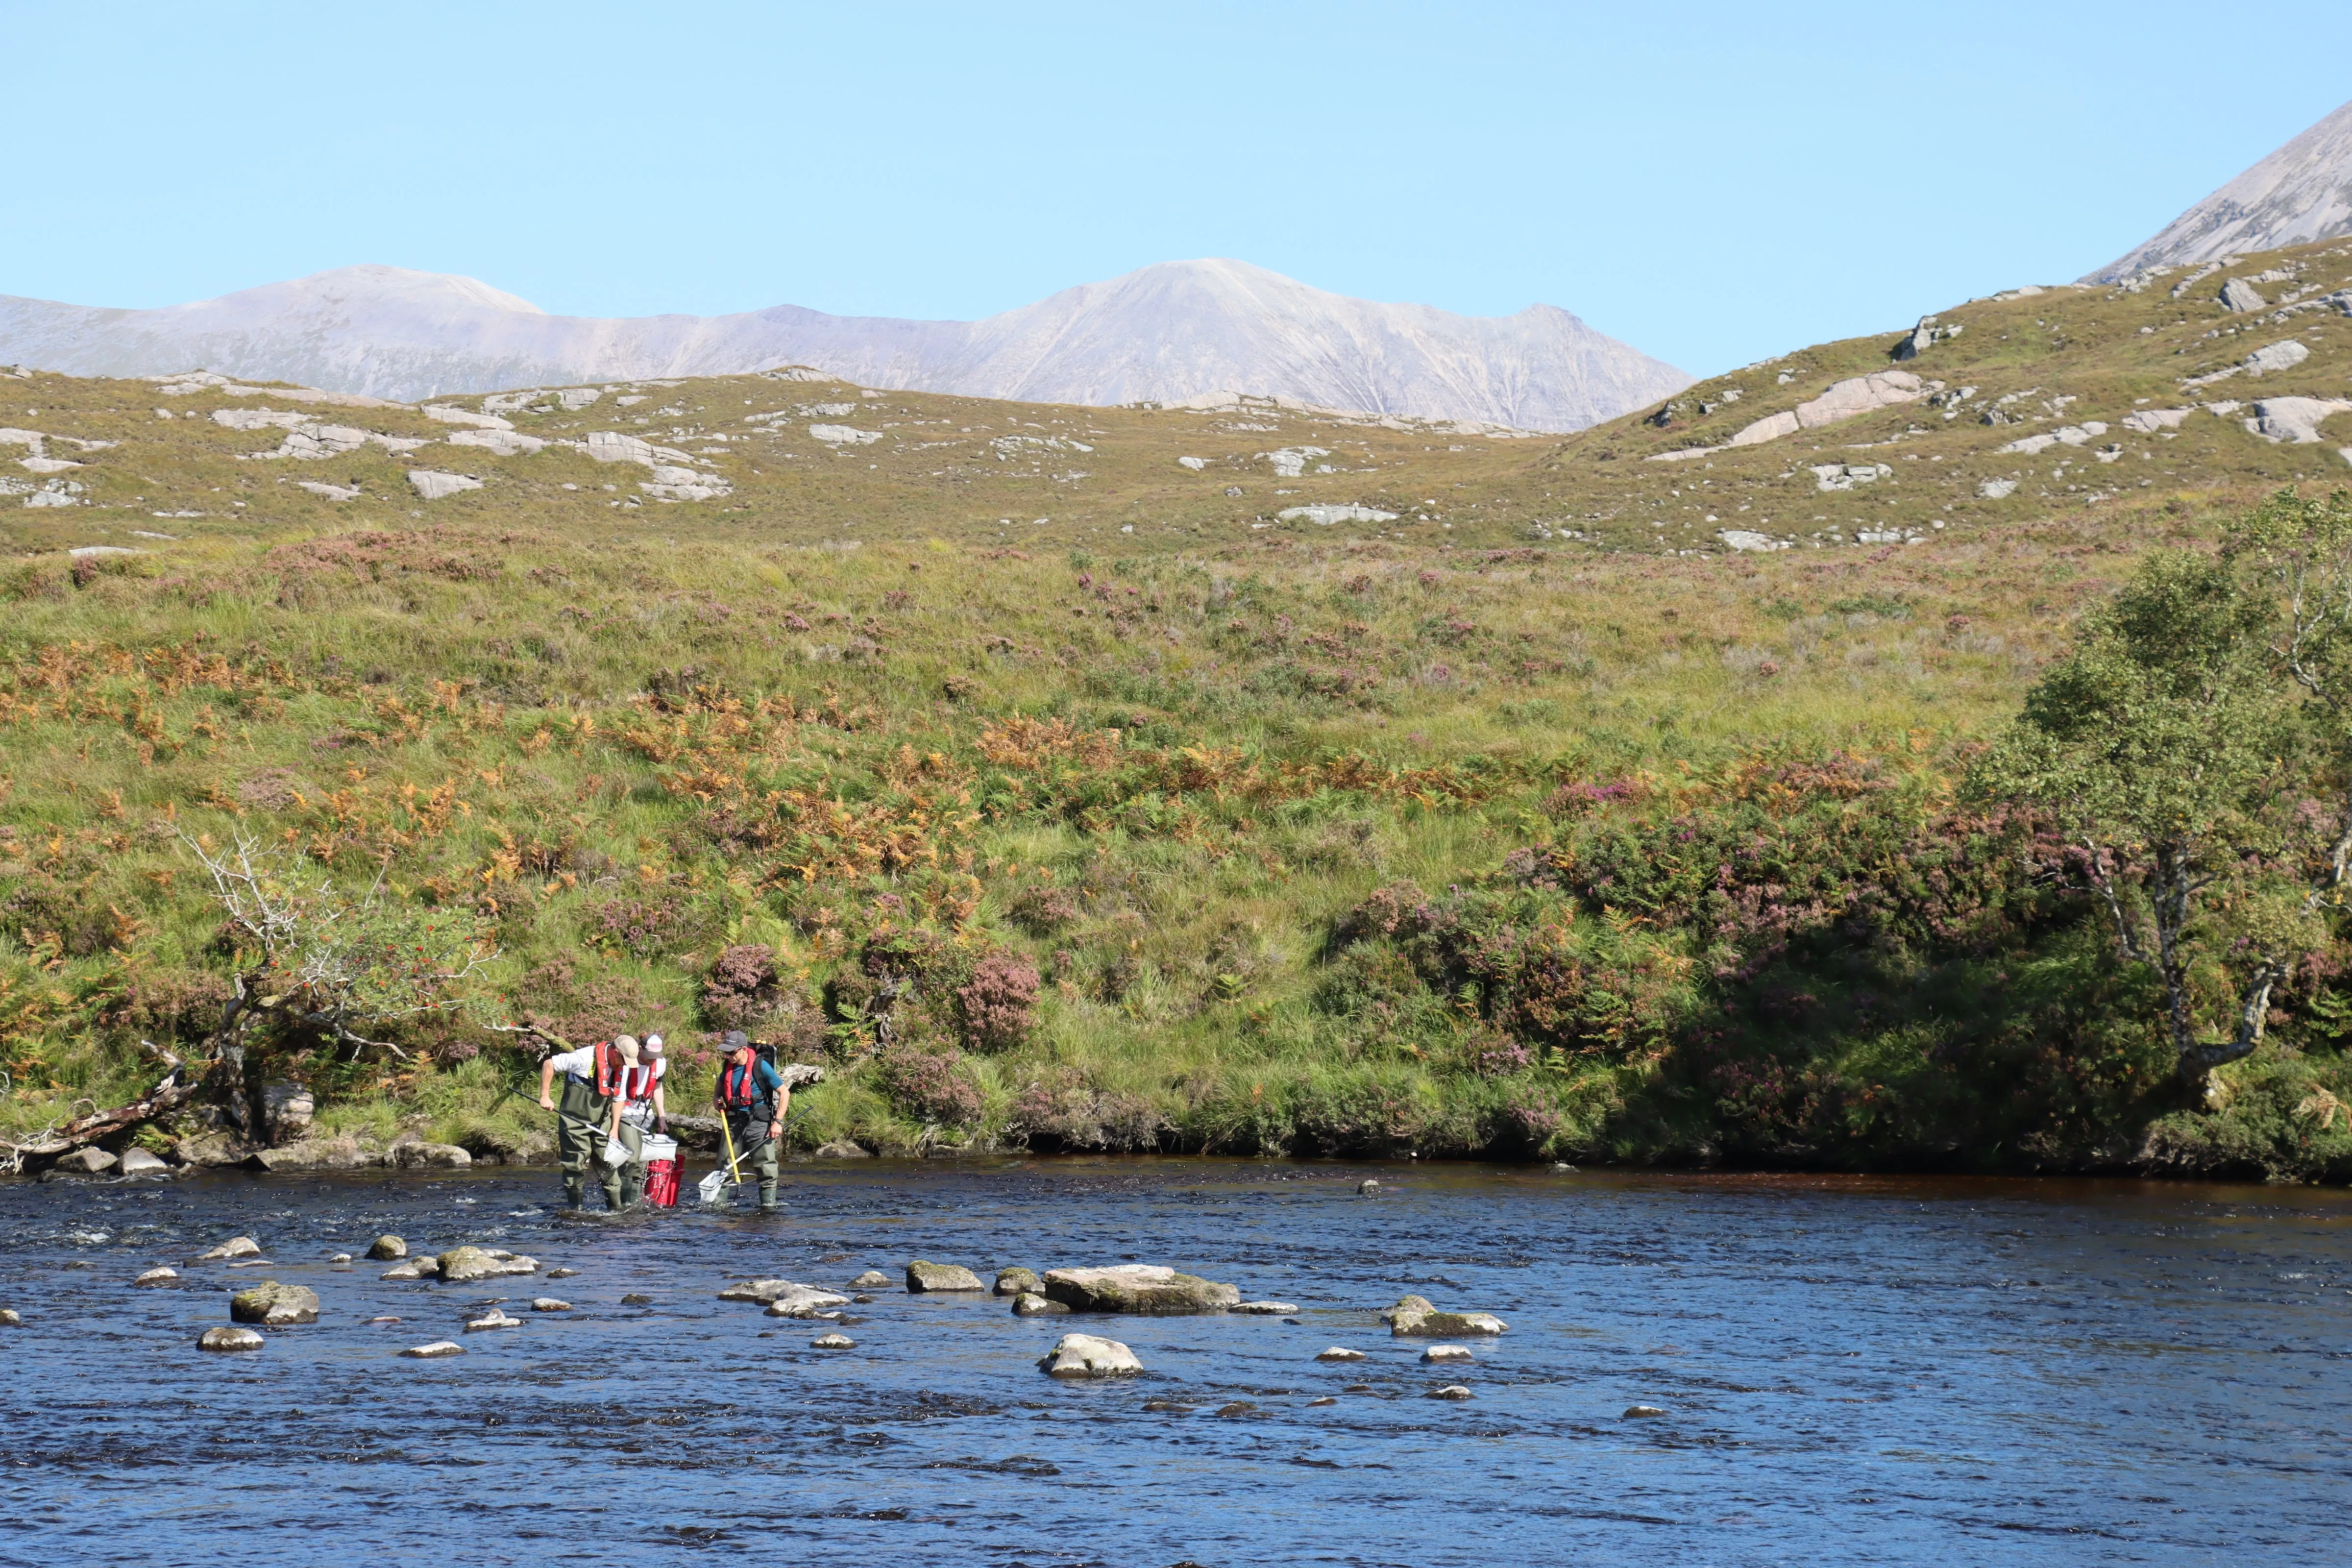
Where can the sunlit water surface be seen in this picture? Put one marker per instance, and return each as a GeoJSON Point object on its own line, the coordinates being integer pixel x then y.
{"type": "Point", "coordinates": [1852, 1370]}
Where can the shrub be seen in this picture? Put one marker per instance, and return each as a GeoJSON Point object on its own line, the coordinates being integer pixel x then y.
{"type": "Point", "coordinates": [1067, 1114]}
{"type": "Point", "coordinates": [998, 1007]}
{"type": "Point", "coordinates": [934, 1086]}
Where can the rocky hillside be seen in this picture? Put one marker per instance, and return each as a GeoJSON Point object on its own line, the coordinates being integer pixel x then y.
{"type": "Point", "coordinates": [2299, 194]}
{"type": "Point", "coordinates": [1163, 334]}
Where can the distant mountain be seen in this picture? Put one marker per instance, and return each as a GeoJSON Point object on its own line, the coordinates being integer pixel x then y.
{"type": "Point", "coordinates": [2299, 194]}
{"type": "Point", "coordinates": [1161, 334]}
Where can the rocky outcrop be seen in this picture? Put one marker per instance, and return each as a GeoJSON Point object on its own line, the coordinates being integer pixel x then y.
{"type": "Point", "coordinates": [432, 484]}
{"type": "Point", "coordinates": [783, 1298]}
{"type": "Point", "coordinates": [1325, 516]}
{"type": "Point", "coordinates": [923, 1276]}
{"type": "Point", "coordinates": [1415, 1316]}
{"type": "Point", "coordinates": [275, 1306]}
{"type": "Point", "coordinates": [1016, 1281]}
{"type": "Point", "coordinates": [462, 1264]}
{"type": "Point", "coordinates": [1139, 1288]}
{"type": "Point", "coordinates": [2300, 192]}
{"type": "Point", "coordinates": [2238, 294]}
{"type": "Point", "coordinates": [231, 1340]}
{"type": "Point", "coordinates": [2295, 419]}
{"type": "Point", "coordinates": [1086, 1355]}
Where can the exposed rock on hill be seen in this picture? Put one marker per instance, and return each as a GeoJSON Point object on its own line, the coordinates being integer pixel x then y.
{"type": "Point", "coordinates": [1165, 333]}
{"type": "Point", "coordinates": [2299, 194]}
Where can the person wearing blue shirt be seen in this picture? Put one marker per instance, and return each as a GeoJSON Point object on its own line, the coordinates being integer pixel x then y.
{"type": "Point", "coordinates": [755, 1099]}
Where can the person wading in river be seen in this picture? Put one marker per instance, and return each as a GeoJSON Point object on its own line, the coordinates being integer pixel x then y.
{"type": "Point", "coordinates": [639, 1108]}
{"type": "Point", "coordinates": [755, 1099]}
{"type": "Point", "coordinates": [591, 1081]}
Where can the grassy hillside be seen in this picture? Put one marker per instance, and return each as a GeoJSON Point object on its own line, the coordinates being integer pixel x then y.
{"type": "Point", "coordinates": [1531, 821]}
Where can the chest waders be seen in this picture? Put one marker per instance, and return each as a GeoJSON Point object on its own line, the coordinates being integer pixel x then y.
{"type": "Point", "coordinates": [580, 1115]}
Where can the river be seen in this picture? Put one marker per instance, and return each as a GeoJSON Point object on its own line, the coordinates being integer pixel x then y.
{"type": "Point", "coordinates": [1852, 1370]}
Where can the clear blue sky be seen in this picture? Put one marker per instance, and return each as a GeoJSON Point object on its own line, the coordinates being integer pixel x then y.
{"type": "Point", "coordinates": [1712, 183]}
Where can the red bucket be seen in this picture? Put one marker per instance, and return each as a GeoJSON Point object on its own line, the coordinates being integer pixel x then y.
{"type": "Point", "coordinates": [661, 1170]}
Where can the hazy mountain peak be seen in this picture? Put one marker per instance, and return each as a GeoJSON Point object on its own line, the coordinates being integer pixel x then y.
{"type": "Point", "coordinates": [2299, 194]}
{"type": "Point", "coordinates": [1161, 333]}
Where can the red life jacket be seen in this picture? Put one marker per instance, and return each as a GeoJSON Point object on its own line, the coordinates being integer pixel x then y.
{"type": "Point", "coordinates": [740, 1085]}
{"type": "Point", "coordinates": [609, 1066]}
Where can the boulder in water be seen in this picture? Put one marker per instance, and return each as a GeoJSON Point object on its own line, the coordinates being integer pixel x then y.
{"type": "Point", "coordinates": [923, 1276]}
{"type": "Point", "coordinates": [1140, 1287]}
{"type": "Point", "coordinates": [1413, 1315]}
{"type": "Point", "coordinates": [549, 1304]}
{"type": "Point", "coordinates": [561, 1273]}
{"type": "Point", "coordinates": [11, 1318]}
{"type": "Point", "coordinates": [275, 1306]}
{"type": "Point", "coordinates": [872, 1279]}
{"type": "Point", "coordinates": [433, 1351]}
{"type": "Point", "coordinates": [386, 1248]}
{"type": "Point", "coordinates": [1086, 1355]}
{"type": "Point", "coordinates": [1339, 1353]}
{"type": "Point", "coordinates": [1452, 1391]}
{"type": "Point", "coordinates": [230, 1339]}
{"type": "Point", "coordinates": [463, 1264]}
{"type": "Point", "coordinates": [783, 1298]}
{"type": "Point", "coordinates": [88, 1161]}
{"type": "Point", "coordinates": [1641, 1412]}
{"type": "Point", "coordinates": [140, 1163]}
{"type": "Point", "coordinates": [841, 1148]}
{"type": "Point", "coordinates": [157, 1276]}
{"type": "Point", "coordinates": [1447, 1353]}
{"type": "Point", "coordinates": [1016, 1281]}
{"type": "Point", "coordinates": [235, 1247]}
{"type": "Point", "coordinates": [496, 1318]}
{"type": "Point", "coordinates": [833, 1342]}
{"type": "Point", "coordinates": [1035, 1306]}
{"type": "Point", "coordinates": [1263, 1308]}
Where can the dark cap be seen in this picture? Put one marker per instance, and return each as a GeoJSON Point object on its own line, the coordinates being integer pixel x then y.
{"type": "Point", "coordinates": [736, 1040]}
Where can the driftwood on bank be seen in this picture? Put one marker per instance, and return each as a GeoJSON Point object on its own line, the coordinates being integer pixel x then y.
{"type": "Point", "coordinates": [167, 1096]}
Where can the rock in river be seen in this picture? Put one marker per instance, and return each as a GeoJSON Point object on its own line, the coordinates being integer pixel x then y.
{"type": "Point", "coordinates": [140, 1163]}
{"type": "Point", "coordinates": [1451, 1391]}
{"type": "Point", "coordinates": [922, 1276]}
{"type": "Point", "coordinates": [783, 1298]}
{"type": "Point", "coordinates": [1032, 1305]}
{"type": "Point", "coordinates": [1145, 1287]}
{"type": "Point", "coordinates": [275, 1306]}
{"type": "Point", "coordinates": [230, 1339]}
{"type": "Point", "coordinates": [833, 1342]}
{"type": "Point", "coordinates": [1016, 1281]}
{"type": "Point", "coordinates": [549, 1304]}
{"type": "Point", "coordinates": [90, 1161]}
{"type": "Point", "coordinates": [414, 1269]}
{"type": "Point", "coordinates": [872, 1279]}
{"type": "Point", "coordinates": [387, 1248]}
{"type": "Point", "coordinates": [11, 1318]}
{"type": "Point", "coordinates": [438, 1348]}
{"type": "Point", "coordinates": [1265, 1309]}
{"type": "Point", "coordinates": [1448, 1353]}
{"type": "Point", "coordinates": [1641, 1412]}
{"type": "Point", "coordinates": [463, 1265]}
{"type": "Point", "coordinates": [496, 1318]}
{"type": "Point", "coordinates": [1415, 1315]}
{"type": "Point", "coordinates": [1085, 1355]}
{"type": "Point", "coordinates": [157, 1276]}
{"type": "Point", "coordinates": [1341, 1352]}
{"type": "Point", "coordinates": [235, 1247]}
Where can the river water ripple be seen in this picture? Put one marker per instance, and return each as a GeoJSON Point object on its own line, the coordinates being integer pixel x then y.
{"type": "Point", "coordinates": [1854, 1370]}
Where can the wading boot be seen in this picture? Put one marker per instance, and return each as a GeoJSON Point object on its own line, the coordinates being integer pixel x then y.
{"type": "Point", "coordinates": [572, 1196]}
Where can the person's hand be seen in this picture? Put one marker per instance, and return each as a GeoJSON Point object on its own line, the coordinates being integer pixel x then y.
{"type": "Point", "coordinates": [546, 1103]}
{"type": "Point", "coordinates": [661, 1125]}
{"type": "Point", "coordinates": [775, 1128]}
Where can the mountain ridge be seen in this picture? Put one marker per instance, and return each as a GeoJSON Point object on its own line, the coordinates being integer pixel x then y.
{"type": "Point", "coordinates": [1161, 333]}
{"type": "Point", "coordinates": [2299, 194]}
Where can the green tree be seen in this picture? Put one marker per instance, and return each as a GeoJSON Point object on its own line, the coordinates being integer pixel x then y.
{"type": "Point", "coordinates": [2169, 745]}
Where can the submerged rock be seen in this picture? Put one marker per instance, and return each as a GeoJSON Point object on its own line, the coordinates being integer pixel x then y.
{"type": "Point", "coordinates": [833, 1342]}
{"type": "Point", "coordinates": [783, 1298]}
{"type": "Point", "coordinates": [438, 1349]}
{"type": "Point", "coordinates": [1086, 1355]}
{"type": "Point", "coordinates": [11, 1318]}
{"type": "Point", "coordinates": [275, 1306]}
{"type": "Point", "coordinates": [235, 1247]}
{"type": "Point", "coordinates": [1016, 1281]}
{"type": "Point", "coordinates": [1368, 1186]}
{"type": "Point", "coordinates": [385, 1249]}
{"type": "Point", "coordinates": [1641, 1412]}
{"type": "Point", "coordinates": [924, 1277]}
{"type": "Point", "coordinates": [157, 1276]}
{"type": "Point", "coordinates": [1265, 1309]}
{"type": "Point", "coordinates": [1452, 1391]}
{"type": "Point", "coordinates": [1413, 1315]}
{"type": "Point", "coordinates": [1140, 1287]}
{"type": "Point", "coordinates": [1031, 1305]}
{"type": "Point", "coordinates": [1341, 1352]}
{"type": "Point", "coordinates": [230, 1339]}
{"type": "Point", "coordinates": [414, 1269]}
{"type": "Point", "coordinates": [561, 1273]}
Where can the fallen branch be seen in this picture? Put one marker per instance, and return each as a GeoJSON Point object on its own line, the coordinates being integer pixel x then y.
{"type": "Point", "coordinates": [167, 1096]}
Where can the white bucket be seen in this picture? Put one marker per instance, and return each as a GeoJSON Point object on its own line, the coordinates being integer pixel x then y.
{"type": "Point", "coordinates": [656, 1147]}
{"type": "Point", "coordinates": [615, 1152]}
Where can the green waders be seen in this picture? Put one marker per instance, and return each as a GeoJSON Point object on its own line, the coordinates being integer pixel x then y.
{"type": "Point", "coordinates": [580, 1138]}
